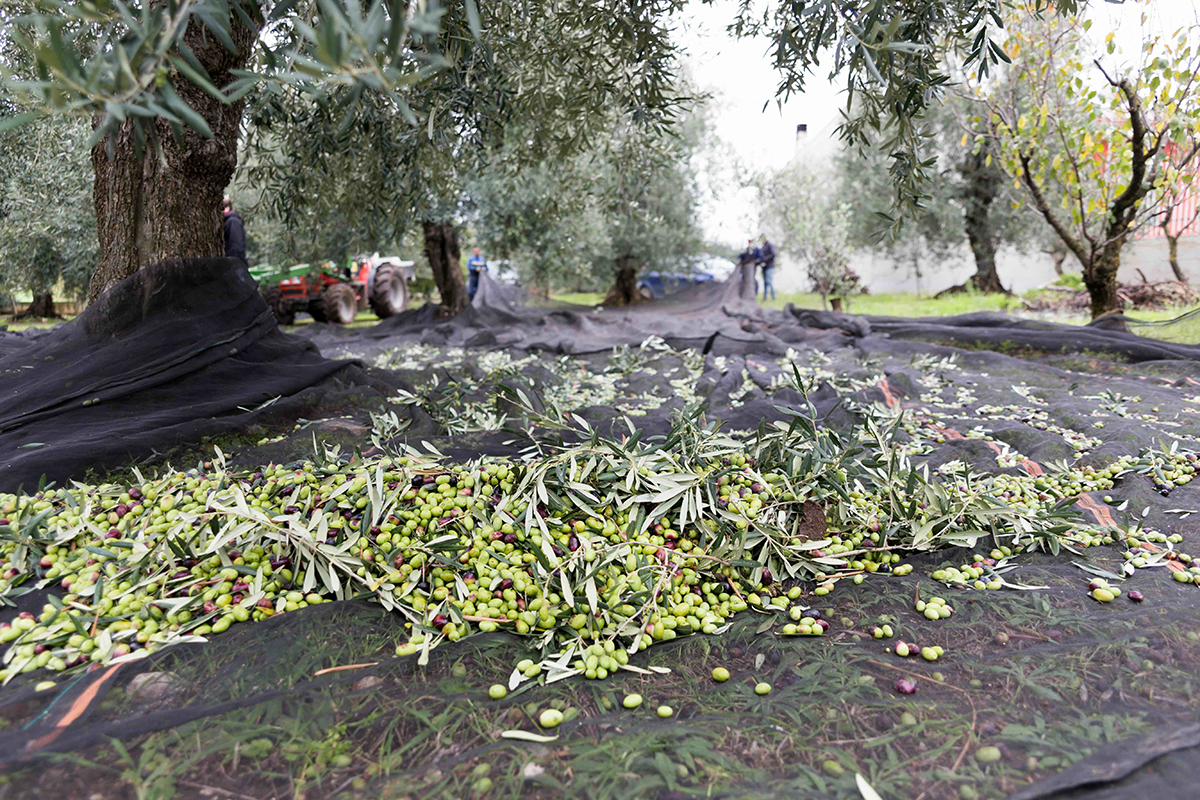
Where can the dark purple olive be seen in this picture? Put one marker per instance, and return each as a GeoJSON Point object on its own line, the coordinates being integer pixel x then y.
{"type": "Point", "coordinates": [1136, 596]}
{"type": "Point", "coordinates": [905, 686]}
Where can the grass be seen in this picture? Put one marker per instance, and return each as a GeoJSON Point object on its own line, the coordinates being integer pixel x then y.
{"type": "Point", "coordinates": [8, 322]}
{"type": "Point", "coordinates": [364, 319]}
{"type": "Point", "coordinates": [580, 298]}
{"type": "Point", "coordinates": [906, 304]}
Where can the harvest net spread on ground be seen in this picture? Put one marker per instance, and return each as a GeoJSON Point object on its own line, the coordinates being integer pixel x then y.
{"type": "Point", "coordinates": [515, 550]}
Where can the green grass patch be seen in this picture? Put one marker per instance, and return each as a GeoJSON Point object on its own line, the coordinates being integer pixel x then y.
{"type": "Point", "coordinates": [580, 298]}
{"type": "Point", "coordinates": [906, 304]}
{"type": "Point", "coordinates": [7, 321]}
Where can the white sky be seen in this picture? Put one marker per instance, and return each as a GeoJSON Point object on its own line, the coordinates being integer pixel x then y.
{"type": "Point", "coordinates": [740, 76]}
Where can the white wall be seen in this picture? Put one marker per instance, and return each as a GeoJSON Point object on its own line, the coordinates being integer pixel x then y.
{"type": "Point", "coordinates": [1020, 272]}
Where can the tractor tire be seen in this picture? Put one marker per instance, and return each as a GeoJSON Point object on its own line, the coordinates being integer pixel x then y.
{"type": "Point", "coordinates": [389, 291]}
{"type": "Point", "coordinates": [284, 313]}
{"type": "Point", "coordinates": [337, 304]}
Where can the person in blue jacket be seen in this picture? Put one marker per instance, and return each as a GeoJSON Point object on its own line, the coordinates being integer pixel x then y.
{"type": "Point", "coordinates": [475, 264]}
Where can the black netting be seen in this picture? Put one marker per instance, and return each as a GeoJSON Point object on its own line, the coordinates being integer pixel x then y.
{"type": "Point", "coordinates": [1080, 698]}
{"type": "Point", "coordinates": [183, 349]}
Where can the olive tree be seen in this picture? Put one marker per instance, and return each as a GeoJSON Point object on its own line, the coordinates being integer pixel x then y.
{"type": "Point", "coordinates": [810, 224]}
{"type": "Point", "coordinates": [1112, 129]}
{"type": "Point", "coordinates": [892, 58]}
{"type": "Point", "coordinates": [47, 226]}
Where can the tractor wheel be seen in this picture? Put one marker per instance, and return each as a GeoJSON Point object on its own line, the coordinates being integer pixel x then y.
{"type": "Point", "coordinates": [336, 304]}
{"type": "Point", "coordinates": [284, 314]}
{"type": "Point", "coordinates": [389, 291]}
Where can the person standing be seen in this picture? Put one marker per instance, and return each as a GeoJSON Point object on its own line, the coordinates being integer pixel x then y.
{"type": "Point", "coordinates": [766, 257]}
{"type": "Point", "coordinates": [235, 233]}
{"type": "Point", "coordinates": [475, 264]}
{"type": "Point", "coordinates": [751, 256]}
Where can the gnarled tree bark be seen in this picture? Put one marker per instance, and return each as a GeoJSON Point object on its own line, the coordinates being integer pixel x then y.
{"type": "Point", "coordinates": [1173, 245]}
{"type": "Point", "coordinates": [42, 307]}
{"type": "Point", "coordinates": [982, 183]}
{"type": "Point", "coordinates": [624, 291]}
{"type": "Point", "coordinates": [166, 203]}
{"type": "Point", "coordinates": [445, 260]}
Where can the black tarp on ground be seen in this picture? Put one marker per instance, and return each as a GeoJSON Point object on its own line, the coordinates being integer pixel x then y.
{"type": "Point", "coordinates": [992, 330]}
{"type": "Point", "coordinates": [184, 382]}
{"type": "Point", "coordinates": [183, 349]}
{"type": "Point", "coordinates": [721, 318]}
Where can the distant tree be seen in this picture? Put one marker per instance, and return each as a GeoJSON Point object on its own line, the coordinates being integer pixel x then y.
{"type": "Point", "coordinates": [1180, 182]}
{"type": "Point", "coordinates": [892, 58]}
{"type": "Point", "coordinates": [968, 200]}
{"type": "Point", "coordinates": [1112, 128]}
{"type": "Point", "coordinates": [812, 225]}
{"type": "Point", "coordinates": [648, 197]}
{"type": "Point", "coordinates": [47, 221]}
{"type": "Point", "coordinates": [861, 180]}
{"type": "Point", "coordinates": [378, 176]}
{"type": "Point", "coordinates": [543, 219]}
{"type": "Point", "coordinates": [994, 214]}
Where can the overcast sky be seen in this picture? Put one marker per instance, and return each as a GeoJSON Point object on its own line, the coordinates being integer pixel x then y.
{"type": "Point", "coordinates": [740, 76]}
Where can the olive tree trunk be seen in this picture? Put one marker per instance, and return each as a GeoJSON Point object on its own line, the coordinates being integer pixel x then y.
{"type": "Point", "coordinates": [445, 260]}
{"type": "Point", "coordinates": [624, 291]}
{"type": "Point", "coordinates": [981, 185]}
{"type": "Point", "coordinates": [42, 307]}
{"type": "Point", "coordinates": [165, 202]}
{"type": "Point", "coordinates": [1173, 258]}
{"type": "Point", "coordinates": [1100, 278]}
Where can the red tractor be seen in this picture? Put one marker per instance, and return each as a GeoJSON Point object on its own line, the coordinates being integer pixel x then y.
{"type": "Point", "coordinates": [332, 295]}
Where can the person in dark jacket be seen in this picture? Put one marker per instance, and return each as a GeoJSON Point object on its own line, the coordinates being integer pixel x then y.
{"type": "Point", "coordinates": [751, 255]}
{"type": "Point", "coordinates": [766, 257]}
{"type": "Point", "coordinates": [235, 234]}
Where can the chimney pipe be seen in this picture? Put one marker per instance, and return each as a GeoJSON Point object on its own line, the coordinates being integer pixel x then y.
{"type": "Point", "coordinates": [801, 135]}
